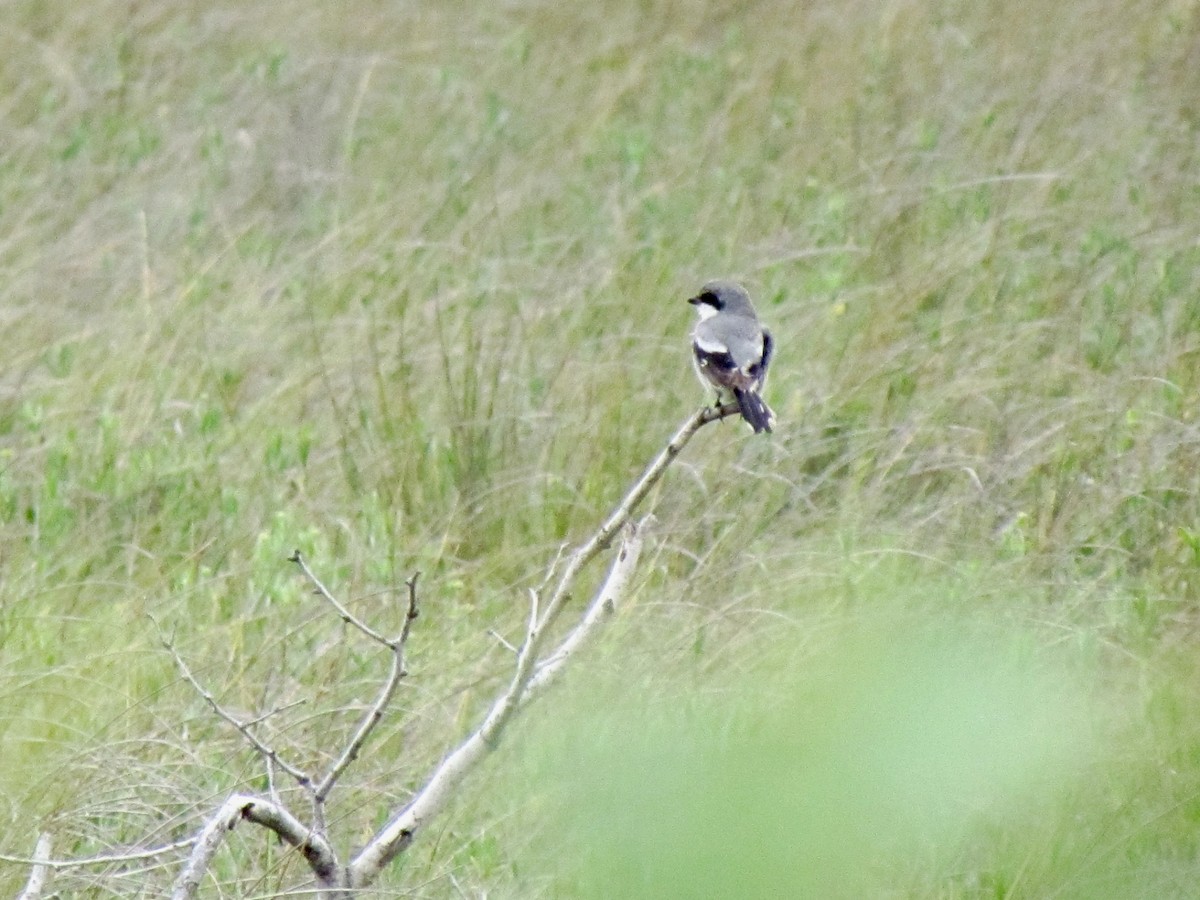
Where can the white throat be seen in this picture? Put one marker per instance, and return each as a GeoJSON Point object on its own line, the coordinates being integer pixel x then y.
{"type": "Point", "coordinates": [706, 311]}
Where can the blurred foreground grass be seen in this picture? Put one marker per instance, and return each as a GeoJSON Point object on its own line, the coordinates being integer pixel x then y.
{"type": "Point", "coordinates": [852, 763]}
{"type": "Point", "coordinates": [401, 286]}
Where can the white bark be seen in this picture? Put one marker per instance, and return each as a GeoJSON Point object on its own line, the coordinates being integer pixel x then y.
{"type": "Point", "coordinates": [604, 604]}
{"type": "Point", "coordinates": [40, 874]}
{"type": "Point", "coordinates": [399, 833]}
{"type": "Point", "coordinates": [531, 675]}
{"type": "Point", "coordinates": [315, 849]}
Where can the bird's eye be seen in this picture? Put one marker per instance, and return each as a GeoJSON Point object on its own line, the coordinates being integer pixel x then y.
{"type": "Point", "coordinates": [711, 299]}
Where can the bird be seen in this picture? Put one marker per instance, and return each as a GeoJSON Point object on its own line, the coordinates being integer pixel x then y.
{"type": "Point", "coordinates": [731, 350]}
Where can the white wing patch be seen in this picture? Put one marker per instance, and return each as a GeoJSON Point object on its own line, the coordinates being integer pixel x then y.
{"type": "Point", "coordinates": [710, 346]}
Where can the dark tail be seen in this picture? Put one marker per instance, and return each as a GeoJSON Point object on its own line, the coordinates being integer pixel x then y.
{"type": "Point", "coordinates": [754, 410]}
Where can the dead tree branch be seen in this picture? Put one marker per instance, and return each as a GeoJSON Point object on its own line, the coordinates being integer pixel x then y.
{"type": "Point", "coordinates": [313, 846]}
{"type": "Point", "coordinates": [302, 778]}
{"type": "Point", "coordinates": [603, 536]}
{"type": "Point", "coordinates": [271, 814]}
{"type": "Point", "coordinates": [532, 673]}
{"type": "Point", "coordinates": [399, 833]}
{"type": "Point", "coordinates": [375, 713]}
{"type": "Point", "coordinates": [342, 611]}
{"type": "Point", "coordinates": [104, 859]}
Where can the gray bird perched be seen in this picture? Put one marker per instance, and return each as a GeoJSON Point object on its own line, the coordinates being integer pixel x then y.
{"type": "Point", "coordinates": [732, 350]}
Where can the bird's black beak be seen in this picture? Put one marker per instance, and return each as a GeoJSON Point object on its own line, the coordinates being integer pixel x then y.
{"type": "Point", "coordinates": [695, 301]}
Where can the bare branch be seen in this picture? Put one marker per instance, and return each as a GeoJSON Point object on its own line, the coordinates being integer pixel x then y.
{"type": "Point", "coordinates": [40, 874]}
{"type": "Point", "coordinates": [302, 777]}
{"type": "Point", "coordinates": [535, 602]}
{"type": "Point", "coordinates": [629, 503]}
{"type": "Point", "coordinates": [375, 713]}
{"type": "Point", "coordinates": [410, 614]}
{"type": "Point", "coordinates": [624, 511]}
{"type": "Point", "coordinates": [342, 611]}
{"type": "Point", "coordinates": [316, 850]}
{"type": "Point", "coordinates": [530, 676]}
{"type": "Point", "coordinates": [502, 641]}
{"type": "Point", "coordinates": [604, 604]}
{"type": "Point", "coordinates": [259, 719]}
{"type": "Point", "coordinates": [398, 834]}
{"type": "Point", "coordinates": [552, 569]}
{"type": "Point", "coordinates": [208, 842]}
{"type": "Point", "coordinates": [105, 859]}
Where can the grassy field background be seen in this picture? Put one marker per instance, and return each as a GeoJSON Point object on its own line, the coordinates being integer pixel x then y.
{"type": "Point", "coordinates": [401, 285]}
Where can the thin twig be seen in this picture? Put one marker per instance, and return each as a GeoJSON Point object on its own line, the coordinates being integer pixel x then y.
{"type": "Point", "coordinates": [365, 727]}
{"type": "Point", "coordinates": [502, 641]}
{"type": "Point", "coordinates": [603, 605]}
{"type": "Point", "coordinates": [272, 787]}
{"type": "Point", "coordinates": [342, 611]}
{"type": "Point", "coordinates": [552, 569]}
{"type": "Point", "coordinates": [105, 859]}
{"type": "Point", "coordinates": [535, 602]}
{"type": "Point", "coordinates": [411, 613]}
{"type": "Point", "coordinates": [603, 536]}
{"type": "Point", "coordinates": [259, 719]}
{"type": "Point", "coordinates": [302, 778]}
{"type": "Point", "coordinates": [375, 713]}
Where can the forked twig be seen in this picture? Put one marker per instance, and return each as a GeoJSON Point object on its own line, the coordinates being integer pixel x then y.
{"type": "Point", "coordinates": [395, 837]}
{"type": "Point", "coordinates": [624, 510]}
{"type": "Point", "coordinates": [312, 845]}
{"type": "Point", "coordinates": [342, 611]}
{"type": "Point", "coordinates": [399, 833]}
{"type": "Point", "coordinates": [375, 713]}
{"type": "Point", "coordinates": [532, 673]}
{"type": "Point", "coordinates": [270, 813]}
{"type": "Point", "coordinates": [267, 752]}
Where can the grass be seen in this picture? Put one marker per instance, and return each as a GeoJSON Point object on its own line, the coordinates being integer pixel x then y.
{"type": "Point", "coordinates": [402, 287]}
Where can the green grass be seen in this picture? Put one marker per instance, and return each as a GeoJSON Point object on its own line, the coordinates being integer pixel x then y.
{"type": "Point", "coordinates": [402, 286]}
